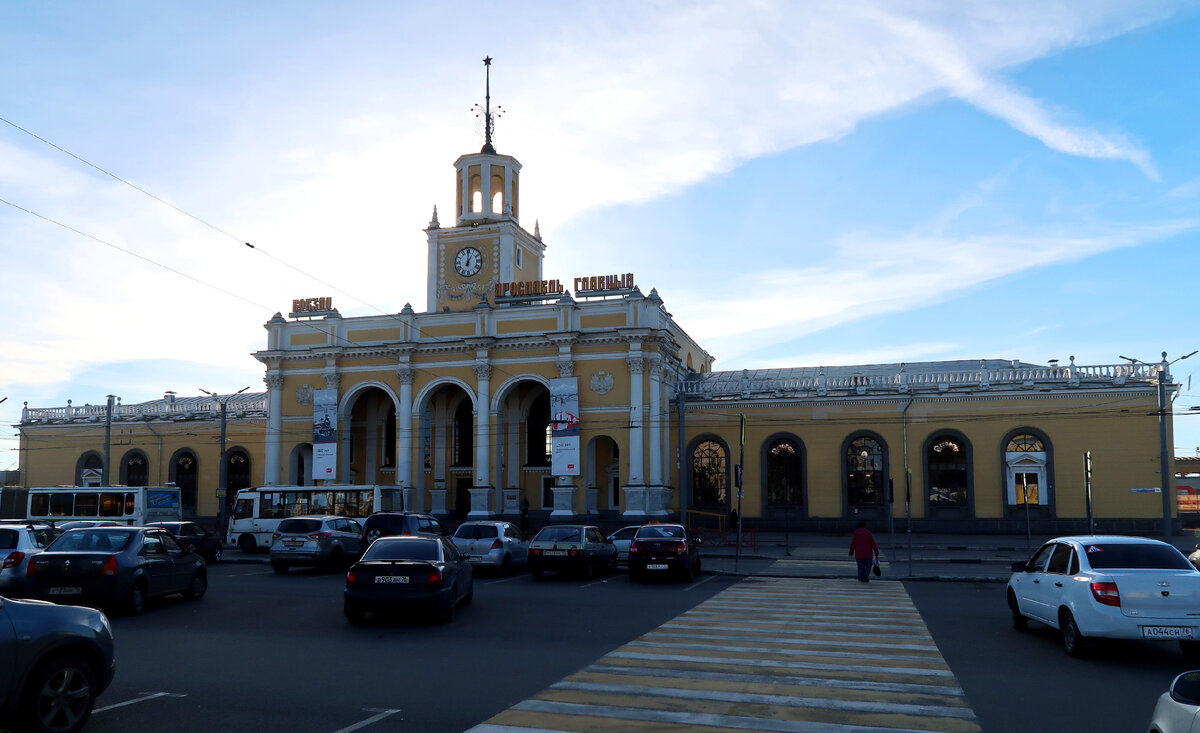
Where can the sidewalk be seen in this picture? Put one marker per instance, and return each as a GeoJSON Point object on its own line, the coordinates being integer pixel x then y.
{"type": "Point", "coordinates": [943, 557]}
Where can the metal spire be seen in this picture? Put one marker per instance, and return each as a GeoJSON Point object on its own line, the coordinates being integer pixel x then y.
{"type": "Point", "coordinates": [489, 117]}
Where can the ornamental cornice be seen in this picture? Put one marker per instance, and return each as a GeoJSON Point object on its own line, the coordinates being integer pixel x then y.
{"type": "Point", "coordinates": [776, 403]}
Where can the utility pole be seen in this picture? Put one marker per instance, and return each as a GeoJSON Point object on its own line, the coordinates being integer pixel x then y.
{"type": "Point", "coordinates": [104, 475]}
{"type": "Point", "coordinates": [222, 466]}
{"type": "Point", "coordinates": [1164, 450]}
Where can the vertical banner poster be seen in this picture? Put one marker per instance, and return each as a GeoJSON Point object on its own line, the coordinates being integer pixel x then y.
{"type": "Point", "coordinates": [324, 434]}
{"type": "Point", "coordinates": [564, 426]}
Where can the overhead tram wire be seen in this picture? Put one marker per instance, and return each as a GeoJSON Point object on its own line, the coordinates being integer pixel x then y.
{"type": "Point", "coordinates": [215, 228]}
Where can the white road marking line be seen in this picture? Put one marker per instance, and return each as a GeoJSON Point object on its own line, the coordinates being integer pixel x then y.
{"type": "Point", "coordinates": [781, 664]}
{"type": "Point", "coordinates": [149, 696]}
{"type": "Point", "coordinates": [832, 683]}
{"type": "Point", "coordinates": [373, 719]}
{"type": "Point", "coordinates": [242, 575]}
{"type": "Point", "coordinates": [701, 582]}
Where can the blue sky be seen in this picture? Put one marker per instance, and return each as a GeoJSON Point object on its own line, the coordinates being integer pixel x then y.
{"type": "Point", "coordinates": [804, 183]}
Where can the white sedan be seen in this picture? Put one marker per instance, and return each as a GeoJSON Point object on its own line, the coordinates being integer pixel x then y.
{"type": "Point", "coordinates": [1177, 708]}
{"type": "Point", "coordinates": [1109, 587]}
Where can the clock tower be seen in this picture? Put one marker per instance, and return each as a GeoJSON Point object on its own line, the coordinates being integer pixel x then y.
{"type": "Point", "coordinates": [486, 245]}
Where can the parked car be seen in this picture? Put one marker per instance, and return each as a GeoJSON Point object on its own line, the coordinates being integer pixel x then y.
{"type": "Point", "coordinates": [621, 539]}
{"type": "Point", "coordinates": [387, 524]}
{"type": "Point", "coordinates": [325, 541]}
{"type": "Point", "coordinates": [663, 549]}
{"type": "Point", "coordinates": [499, 545]}
{"type": "Point", "coordinates": [115, 566]}
{"type": "Point", "coordinates": [1178, 709]}
{"type": "Point", "coordinates": [579, 548]}
{"type": "Point", "coordinates": [85, 523]}
{"type": "Point", "coordinates": [205, 543]}
{"type": "Point", "coordinates": [1194, 558]}
{"type": "Point", "coordinates": [406, 574]}
{"type": "Point", "coordinates": [18, 543]}
{"type": "Point", "coordinates": [1108, 587]}
{"type": "Point", "coordinates": [56, 661]}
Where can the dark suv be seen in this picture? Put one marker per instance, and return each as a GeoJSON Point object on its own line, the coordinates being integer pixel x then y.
{"type": "Point", "coordinates": [54, 661]}
{"type": "Point", "coordinates": [384, 524]}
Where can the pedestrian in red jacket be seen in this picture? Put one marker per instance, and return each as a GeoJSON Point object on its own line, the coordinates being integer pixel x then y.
{"type": "Point", "coordinates": [864, 550]}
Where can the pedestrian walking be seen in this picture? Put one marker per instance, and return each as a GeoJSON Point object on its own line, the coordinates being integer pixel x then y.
{"type": "Point", "coordinates": [864, 550]}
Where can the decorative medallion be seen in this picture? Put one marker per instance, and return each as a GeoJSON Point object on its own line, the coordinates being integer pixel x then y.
{"type": "Point", "coordinates": [602, 382]}
{"type": "Point", "coordinates": [304, 395]}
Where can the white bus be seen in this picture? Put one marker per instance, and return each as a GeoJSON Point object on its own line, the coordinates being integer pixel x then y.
{"type": "Point", "coordinates": [257, 512]}
{"type": "Point", "coordinates": [133, 505]}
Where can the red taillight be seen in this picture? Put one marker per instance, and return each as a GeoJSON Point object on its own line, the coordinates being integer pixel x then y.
{"type": "Point", "coordinates": [351, 578]}
{"type": "Point", "coordinates": [681, 548]}
{"type": "Point", "coordinates": [1107, 594]}
{"type": "Point", "coordinates": [435, 578]}
{"type": "Point", "coordinates": [29, 567]}
{"type": "Point", "coordinates": [633, 548]}
{"type": "Point", "coordinates": [14, 559]}
{"type": "Point", "coordinates": [497, 545]}
{"type": "Point", "coordinates": [535, 551]}
{"type": "Point", "coordinates": [275, 536]}
{"type": "Point", "coordinates": [110, 566]}
{"type": "Point", "coordinates": [319, 535]}
{"type": "Point", "coordinates": [574, 553]}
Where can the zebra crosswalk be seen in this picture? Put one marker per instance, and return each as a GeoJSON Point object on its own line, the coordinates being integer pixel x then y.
{"type": "Point", "coordinates": [768, 654]}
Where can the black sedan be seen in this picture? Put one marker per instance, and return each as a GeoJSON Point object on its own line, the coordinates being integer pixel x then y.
{"type": "Point", "coordinates": [413, 573]}
{"type": "Point", "coordinates": [115, 566]}
{"type": "Point", "coordinates": [661, 549]}
{"type": "Point", "coordinates": [205, 543]}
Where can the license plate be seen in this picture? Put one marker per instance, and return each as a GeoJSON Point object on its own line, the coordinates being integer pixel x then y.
{"type": "Point", "coordinates": [556, 553]}
{"type": "Point", "coordinates": [65, 591]}
{"type": "Point", "coordinates": [292, 543]}
{"type": "Point", "coordinates": [657, 566]}
{"type": "Point", "coordinates": [1167, 632]}
{"type": "Point", "coordinates": [391, 578]}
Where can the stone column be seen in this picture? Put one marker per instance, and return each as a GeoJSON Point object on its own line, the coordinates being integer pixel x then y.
{"type": "Point", "coordinates": [483, 425]}
{"type": "Point", "coordinates": [636, 467]}
{"type": "Point", "coordinates": [333, 380]}
{"type": "Point", "coordinates": [404, 430]}
{"type": "Point", "coordinates": [274, 382]}
{"type": "Point", "coordinates": [656, 421]}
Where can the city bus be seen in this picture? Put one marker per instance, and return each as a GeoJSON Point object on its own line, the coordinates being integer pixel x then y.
{"type": "Point", "coordinates": [133, 505]}
{"type": "Point", "coordinates": [257, 512]}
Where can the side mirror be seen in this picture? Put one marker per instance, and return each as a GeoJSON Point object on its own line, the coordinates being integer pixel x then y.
{"type": "Point", "coordinates": [699, 541]}
{"type": "Point", "coordinates": [1020, 567]}
{"type": "Point", "coordinates": [1186, 688]}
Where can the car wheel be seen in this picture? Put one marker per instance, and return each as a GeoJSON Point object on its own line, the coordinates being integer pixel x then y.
{"type": "Point", "coordinates": [217, 555]}
{"type": "Point", "coordinates": [506, 565]}
{"type": "Point", "coordinates": [279, 568]}
{"type": "Point", "coordinates": [1190, 649]}
{"type": "Point", "coordinates": [634, 575]}
{"type": "Point", "coordinates": [536, 573]}
{"type": "Point", "coordinates": [336, 560]}
{"type": "Point", "coordinates": [247, 544]}
{"type": "Point", "coordinates": [1074, 643]}
{"type": "Point", "coordinates": [1019, 622]}
{"type": "Point", "coordinates": [589, 571]}
{"type": "Point", "coordinates": [689, 573]}
{"type": "Point", "coordinates": [612, 564]}
{"type": "Point", "coordinates": [354, 611]}
{"type": "Point", "coordinates": [373, 534]}
{"type": "Point", "coordinates": [62, 694]}
{"type": "Point", "coordinates": [470, 596]}
{"type": "Point", "coordinates": [135, 603]}
{"type": "Point", "coordinates": [197, 588]}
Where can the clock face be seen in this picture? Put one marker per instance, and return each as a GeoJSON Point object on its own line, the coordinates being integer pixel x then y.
{"type": "Point", "coordinates": [468, 261]}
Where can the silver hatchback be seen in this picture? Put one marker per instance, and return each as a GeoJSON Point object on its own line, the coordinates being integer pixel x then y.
{"type": "Point", "coordinates": [327, 541]}
{"type": "Point", "coordinates": [18, 543]}
{"type": "Point", "coordinates": [500, 545]}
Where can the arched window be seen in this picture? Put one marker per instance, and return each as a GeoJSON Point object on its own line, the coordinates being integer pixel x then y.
{"type": "Point", "coordinates": [1026, 471]}
{"type": "Point", "coordinates": [184, 472]}
{"type": "Point", "coordinates": [864, 472]}
{"type": "Point", "coordinates": [710, 475]}
{"type": "Point", "coordinates": [135, 469]}
{"type": "Point", "coordinates": [785, 474]}
{"type": "Point", "coordinates": [89, 470]}
{"type": "Point", "coordinates": [947, 462]}
{"type": "Point", "coordinates": [463, 435]}
{"type": "Point", "coordinates": [237, 472]}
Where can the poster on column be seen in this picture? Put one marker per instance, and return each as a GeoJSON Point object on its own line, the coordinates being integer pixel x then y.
{"type": "Point", "coordinates": [564, 426]}
{"type": "Point", "coordinates": [324, 434]}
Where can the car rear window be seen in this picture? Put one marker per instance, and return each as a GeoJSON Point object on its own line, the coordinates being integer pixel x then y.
{"type": "Point", "coordinates": [404, 549]}
{"type": "Point", "coordinates": [558, 534]}
{"type": "Point", "coordinates": [1135, 556]}
{"type": "Point", "coordinates": [88, 540]}
{"type": "Point", "coordinates": [8, 539]}
{"type": "Point", "coordinates": [653, 532]}
{"type": "Point", "coordinates": [299, 526]}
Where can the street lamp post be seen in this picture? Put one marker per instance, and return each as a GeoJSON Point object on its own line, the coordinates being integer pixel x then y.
{"type": "Point", "coordinates": [1164, 456]}
{"type": "Point", "coordinates": [222, 467]}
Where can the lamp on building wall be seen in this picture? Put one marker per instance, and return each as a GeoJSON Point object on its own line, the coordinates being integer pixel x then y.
{"type": "Point", "coordinates": [1164, 456]}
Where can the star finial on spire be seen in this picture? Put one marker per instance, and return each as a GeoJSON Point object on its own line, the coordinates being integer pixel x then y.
{"type": "Point", "coordinates": [489, 116]}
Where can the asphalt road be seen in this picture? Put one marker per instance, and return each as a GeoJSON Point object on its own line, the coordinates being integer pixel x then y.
{"type": "Point", "coordinates": [268, 652]}
{"type": "Point", "coordinates": [1023, 681]}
